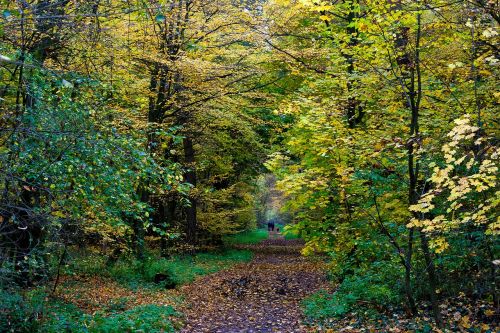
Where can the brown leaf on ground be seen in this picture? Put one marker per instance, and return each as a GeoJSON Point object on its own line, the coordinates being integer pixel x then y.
{"type": "Point", "coordinates": [94, 293]}
{"type": "Point", "coordinates": [261, 296]}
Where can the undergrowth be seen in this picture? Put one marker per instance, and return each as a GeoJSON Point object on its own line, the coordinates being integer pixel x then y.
{"type": "Point", "coordinates": [35, 312]}
{"type": "Point", "coordinates": [177, 270]}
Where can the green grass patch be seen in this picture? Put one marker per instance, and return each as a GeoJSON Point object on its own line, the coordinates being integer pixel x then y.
{"type": "Point", "coordinates": [145, 318]}
{"type": "Point", "coordinates": [177, 270]}
{"type": "Point", "coordinates": [247, 237]}
{"type": "Point", "coordinates": [186, 269]}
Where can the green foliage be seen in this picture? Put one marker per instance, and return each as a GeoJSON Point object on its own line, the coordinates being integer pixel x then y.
{"type": "Point", "coordinates": [291, 235]}
{"type": "Point", "coordinates": [35, 312]}
{"type": "Point", "coordinates": [17, 315]}
{"type": "Point", "coordinates": [289, 231]}
{"type": "Point", "coordinates": [179, 269]}
{"type": "Point", "coordinates": [324, 305]}
{"type": "Point", "coordinates": [368, 291]}
{"type": "Point", "coordinates": [186, 270]}
{"type": "Point", "coordinates": [103, 122]}
{"type": "Point", "coordinates": [373, 171]}
{"type": "Point", "coordinates": [71, 172]}
{"type": "Point", "coordinates": [376, 288]}
{"type": "Point", "coordinates": [63, 317]}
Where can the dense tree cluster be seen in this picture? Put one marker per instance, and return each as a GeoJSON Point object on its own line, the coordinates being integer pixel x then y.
{"type": "Point", "coordinates": [391, 163]}
{"type": "Point", "coordinates": [124, 122]}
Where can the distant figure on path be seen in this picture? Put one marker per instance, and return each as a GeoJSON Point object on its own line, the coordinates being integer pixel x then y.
{"type": "Point", "coordinates": [270, 226]}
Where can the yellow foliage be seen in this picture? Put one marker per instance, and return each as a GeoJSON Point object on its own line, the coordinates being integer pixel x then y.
{"type": "Point", "coordinates": [461, 188]}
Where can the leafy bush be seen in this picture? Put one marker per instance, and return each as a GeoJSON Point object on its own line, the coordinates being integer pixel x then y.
{"type": "Point", "coordinates": [8, 274]}
{"type": "Point", "coordinates": [32, 312]}
{"type": "Point", "coordinates": [146, 318]}
{"type": "Point", "coordinates": [87, 263]}
{"type": "Point", "coordinates": [324, 305]}
{"type": "Point", "coordinates": [290, 232]}
{"type": "Point", "coordinates": [370, 290]}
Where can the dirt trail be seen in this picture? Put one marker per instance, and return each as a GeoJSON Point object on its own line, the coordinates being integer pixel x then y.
{"type": "Point", "coordinates": [261, 296]}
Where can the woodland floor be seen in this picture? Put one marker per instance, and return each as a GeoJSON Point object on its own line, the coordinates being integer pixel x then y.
{"type": "Point", "coordinates": [260, 296]}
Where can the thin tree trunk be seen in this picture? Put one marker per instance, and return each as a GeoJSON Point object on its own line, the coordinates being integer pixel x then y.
{"type": "Point", "coordinates": [190, 178]}
{"type": "Point", "coordinates": [61, 261]}
{"type": "Point", "coordinates": [169, 214]}
{"type": "Point", "coordinates": [433, 282]}
{"type": "Point", "coordinates": [355, 111]}
{"type": "Point", "coordinates": [139, 231]}
{"type": "Point", "coordinates": [408, 266]}
{"type": "Point", "coordinates": [415, 97]}
{"type": "Point", "coordinates": [404, 256]}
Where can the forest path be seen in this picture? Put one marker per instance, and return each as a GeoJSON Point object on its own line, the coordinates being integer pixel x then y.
{"type": "Point", "coordinates": [260, 296]}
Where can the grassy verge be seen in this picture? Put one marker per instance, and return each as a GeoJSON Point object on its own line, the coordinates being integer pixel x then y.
{"type": "Point", "coordinates": [247, 237]}
{"type": "Point", "coordinates": [124, 297]}
{"type": "Point", "coordinates": [177, 270]}
{"type": "Point", "coordinates": [34, 311]}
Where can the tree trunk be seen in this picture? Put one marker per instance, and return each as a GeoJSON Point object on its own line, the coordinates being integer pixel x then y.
{"type": "Point", "coordinates": [408, 266]}
{"type": "Point", "coordinates": [354, 109]}
{"type": "Point", "coordinates": [169, 215]}
{"type": "Point", "coordinates": [138, 229]}
{"type": "Point", "coordinates": [431, 272]}
{"type": "Point", "coordinates": [190, 178]}
{"type": "Point", "coordinates": [414, 95]}
{"type": "Point", "coordinates": [139, 232]}
{"type": "Point", "coordinates": [404, 256]}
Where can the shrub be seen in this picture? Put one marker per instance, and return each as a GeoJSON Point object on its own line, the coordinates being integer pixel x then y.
{"type": "Point", "coordinates": [371, 289]}
{"type": "Point", "coordinates": [324, 305]}
{"type": "Point", "coordinates": [62, 317]}
{"type": "Point", "coordinates": [84, 263]}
